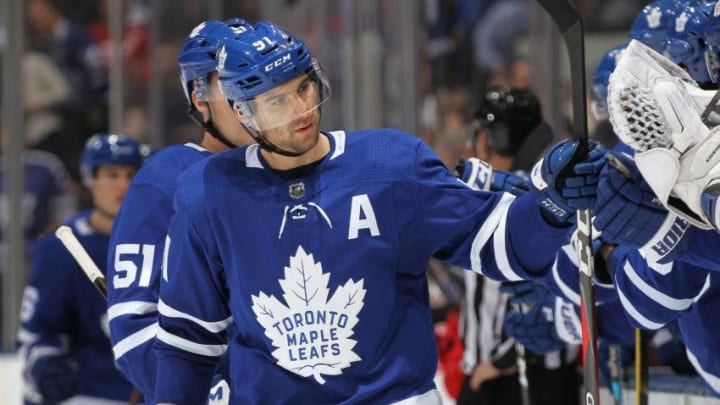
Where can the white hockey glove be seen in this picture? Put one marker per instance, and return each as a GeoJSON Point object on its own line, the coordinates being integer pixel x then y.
{"type": "Point", "coordinates": [652, 111]}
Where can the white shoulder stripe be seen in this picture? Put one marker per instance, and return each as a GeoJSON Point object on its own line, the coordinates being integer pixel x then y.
{"type": "Point", "coordinates": [188, 346]}
{"type": "Point", "coordinates": [501, 258]}
{"type": "Point", "coordinates": [131, 308]}
{"type": "Point", "coordinates": [635, 314]}
{"type": "Point", "coordinates": [214, 327]}
{"type": "Point", "coordinates": [251, 156]}
{"type": "Point", "coordinates": [135, 340]}
{"type": "Point", "coordinates": [487, 229]}
{"type": "Point", "coordinates": [675, 304]}
{"type": "Point", "coordinates": [339, 137]}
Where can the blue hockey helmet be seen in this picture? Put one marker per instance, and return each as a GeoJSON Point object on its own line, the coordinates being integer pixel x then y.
{"type": "Point", "coordinates": [252, 67]}
{"type": "Point", "coordinates": [686, 40]}
{"type": "Point", "coordinates": [712, 41]}
{"type": "Point", "coordinates": [109, 149]}
{"type": "Point", "coordinates": [651, 24]}
{"type": "Point", "coordinates": [600, 81]}
{"type": "Point", "coordinates": [196, 59]}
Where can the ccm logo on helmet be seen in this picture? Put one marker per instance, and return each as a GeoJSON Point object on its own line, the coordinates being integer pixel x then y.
{"type": "Point", "coordinates": [277, 63]}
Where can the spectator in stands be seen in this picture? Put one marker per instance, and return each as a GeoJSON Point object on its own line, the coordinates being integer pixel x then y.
{"type": "Point", "coordinates": [80, 59]}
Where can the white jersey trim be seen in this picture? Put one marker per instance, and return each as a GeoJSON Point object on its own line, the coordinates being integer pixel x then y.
{"type": "Point", "coordinates": [487, 229]}
{"type": "Point", "coordinates": [675, 304]}
{"type": "Point", "coordinates": [501, 258]}
{"type": "Point", "coordinates": [214, 327]}
{"type": "Point", "coordinates": [195, 146]}
{"type": "Point", "coordinates": [135, 340]}
{"type": "Point", "coordinates": [635, 314]}
{"type": "Point", "coordinates": [188, 346]}
{"type": "Point", "coordinates": [712, 380]}
{"type": "Point", "coordinates": [339, 137]}
{"type": "Point", "coordinates": [568, 292]}
{"type": "Point", "coordinates": [131, 308]}
{"type": "Point", "coordinates": [251, 157]}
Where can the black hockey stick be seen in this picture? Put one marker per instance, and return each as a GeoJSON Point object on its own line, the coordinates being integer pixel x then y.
{"type": "Point", "coordinates": [571, 27]}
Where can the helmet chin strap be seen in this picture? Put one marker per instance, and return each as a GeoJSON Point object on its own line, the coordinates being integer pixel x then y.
{"type": "Point", "coordinates": [269, 146]}
{"type": "Point", "coordinates": [209, 126]}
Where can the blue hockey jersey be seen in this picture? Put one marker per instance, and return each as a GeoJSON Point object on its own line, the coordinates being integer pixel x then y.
{"type": "Point", "coordinates": [135, 255]}
{"type": "Point", "coordinates": [654, 295]}
{"type": "Point", "coordinates": [323, 276]}
{"type": "Point", "coordinates": [63, 313]}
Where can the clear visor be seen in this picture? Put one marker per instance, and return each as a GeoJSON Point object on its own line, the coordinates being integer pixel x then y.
{"type": "Point", "coordinates": [286, 103]}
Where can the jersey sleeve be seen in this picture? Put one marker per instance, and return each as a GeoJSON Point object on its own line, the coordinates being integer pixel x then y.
{"type": "Point", "coordinates": [655, 294]}
{"type": "Point", "coordinates": [192, 334]}
{"type": "Point", "coordinates": [494, 234]}
{"type": "Point", "coordinates": [564, 279]}
{"type": "Point", "coordinates": [699, 248]}
{"type": "Point", "coordinates": [134, 261]}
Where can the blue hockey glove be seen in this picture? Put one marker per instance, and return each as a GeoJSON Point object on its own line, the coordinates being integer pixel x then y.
{"type": "Point", "coordinates": [627, 211]}
{"type": "Point", "coordinates": [566, 180]}
{"type": "Point", "coordinates": [535, 328]}
{"type": "Point", "coordinates": [55, 377]}
{"type": "Point", "coordinates": [479, 175]}
{"type": "Point", "coordinates": [525, 292]}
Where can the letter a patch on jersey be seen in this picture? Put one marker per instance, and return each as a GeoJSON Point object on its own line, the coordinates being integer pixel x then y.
{"type": "Point", "coordinates": [311, 333]}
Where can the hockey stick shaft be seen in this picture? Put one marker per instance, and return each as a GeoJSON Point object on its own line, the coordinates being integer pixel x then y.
{"type": "Point", "coordinates": [570, 25]}
{"type": "Point", "coordinates": [81, 256]}
{"type": "Point", "coordinates": [642, 374]}
{"type": "Point", "coordinates": [522, 367]}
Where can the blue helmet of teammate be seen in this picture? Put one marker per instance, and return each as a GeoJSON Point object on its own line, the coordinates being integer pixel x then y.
{"type": "Point", "coordinates": [600, 80]}
{"type": "Point", "coordinates": [651, 24]}
{"type": "Point", "coordinates": [686, 40]}
{"type": "Point", "coordinates": [712, 41]}
{"type": "Point", "coordinates": [262, 59]}
{"type": "Point", "coordinates": [196, 60]}
{"type": "Point", "coordinates": [109, 149]}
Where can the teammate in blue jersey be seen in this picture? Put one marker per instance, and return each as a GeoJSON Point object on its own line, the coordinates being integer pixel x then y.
{"type": "Point", "coordinates": [141, 226]}
{"type": "Point", "coordinates": [313, 245]}
{"type": "Point", "coordinates": [64, 338]}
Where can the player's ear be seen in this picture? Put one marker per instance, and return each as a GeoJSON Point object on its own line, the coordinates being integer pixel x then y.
{"type": "Point", "coordinates": [199, 103]}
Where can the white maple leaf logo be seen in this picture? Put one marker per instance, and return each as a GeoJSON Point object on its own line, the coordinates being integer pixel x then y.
{"type": "Point", "coordinates": [311, 333]}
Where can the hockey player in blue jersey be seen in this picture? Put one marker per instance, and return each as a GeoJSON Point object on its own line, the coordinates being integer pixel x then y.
{"type": "Point", "coordinates": [314, 245]}
{"type": "Point", "coordinates": [64, 339]}
{"type": "Point", "coordinates": [140, 228]}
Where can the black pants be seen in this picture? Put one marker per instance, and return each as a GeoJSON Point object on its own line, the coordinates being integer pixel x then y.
{"type": "Point", "coordinates": [547, 387]}
{"type": "Point", "coordinates": [503, 390]}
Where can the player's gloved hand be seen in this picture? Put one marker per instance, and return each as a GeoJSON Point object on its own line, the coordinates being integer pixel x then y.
{"type": "Point", "coordinates": [534, 328]}
{"type": "Point", "coordinates": [525, 292]}
{"type": "Point", "coordinates": [55, 377]}
{"type": "Point", "coordinates": [479, 175]}
{"type": "Point", "coordinates": [566, 180]}
{"type": "Point", "coordinates": [628, 212]}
